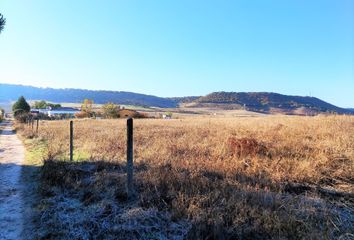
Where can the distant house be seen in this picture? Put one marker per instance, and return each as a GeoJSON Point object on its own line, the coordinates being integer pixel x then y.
{"type": "Point", "coordinates": [166, 116]}
{"type": "Point", "coordinates": [62, 111]}
{"type": "Point", "coordinates": [55, 112]}
{"type": "Point", "coordinates": [35, 111]}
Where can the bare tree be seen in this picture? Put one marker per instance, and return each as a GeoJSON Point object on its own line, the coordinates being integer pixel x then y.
{"type": "Point", "coordinates": [2, 22]}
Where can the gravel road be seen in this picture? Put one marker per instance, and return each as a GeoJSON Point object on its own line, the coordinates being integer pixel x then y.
{"type": "Point", "coordinates": [12, 154]}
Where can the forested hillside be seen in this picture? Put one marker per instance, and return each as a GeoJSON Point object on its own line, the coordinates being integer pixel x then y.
{"type": "Point", "coordinates": [10, 92]}
{"type": "Point", "coordinates": [253, 101]}
{"type": "Point", "coordinates": [268, 102]}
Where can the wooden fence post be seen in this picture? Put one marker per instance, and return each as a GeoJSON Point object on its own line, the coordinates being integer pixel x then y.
{"type": "Point", "coordinates": [130, 190]}
{"type": "Point", "coordinates": [37, 125]}
{"type": "Point", "coordinates": [32, 123]}
{"type": "Point", "coordinates": [71, 140]}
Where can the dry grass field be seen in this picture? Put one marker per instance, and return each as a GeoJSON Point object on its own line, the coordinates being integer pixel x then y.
{"type": "Point", "coordinates": [276, 177]}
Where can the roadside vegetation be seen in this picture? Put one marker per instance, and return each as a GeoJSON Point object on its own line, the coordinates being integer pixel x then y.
{"type": "Point", "coordinates": [234, 178]}
{"type": "Point", "coordinates": [2, 115]}
{"type": "Point", "coordinates": [21, 110]}
{"type": "Point", "coordinates": [43, 105]}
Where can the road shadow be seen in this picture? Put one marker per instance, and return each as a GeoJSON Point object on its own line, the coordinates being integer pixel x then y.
{"type": "Point", "coordinates": [17, 200]}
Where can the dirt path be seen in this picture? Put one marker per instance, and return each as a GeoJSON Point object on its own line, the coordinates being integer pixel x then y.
{"type": "Point", "coordinates": [12, 154]}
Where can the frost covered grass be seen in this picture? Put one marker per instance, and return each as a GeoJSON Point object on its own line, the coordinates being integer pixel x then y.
{"type": "Point", "coordinates": [87, 201]}
{"type": "Point", "coordinates": [260, 178]}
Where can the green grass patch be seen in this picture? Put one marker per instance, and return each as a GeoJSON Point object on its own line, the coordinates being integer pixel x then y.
{"type": "Point", "coordinates": [80, 156]}
{"type": "Point", "coordinates": [36, 151]}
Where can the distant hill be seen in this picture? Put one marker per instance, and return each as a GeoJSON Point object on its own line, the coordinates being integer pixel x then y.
{"type": "Point", "coordinates": [179, 100]}
{"type": "Point", "coordinates": [266, 102]}
{"type": "Point", "coordinates": [10, 92]}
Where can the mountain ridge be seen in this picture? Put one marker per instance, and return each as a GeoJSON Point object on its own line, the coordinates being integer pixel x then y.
{"type": "Point", "coordinates": [268, 102]}
{"type": "Point", "coordinates": [10, 92]}
{"type": "Point", "coordinates": [265, 102]}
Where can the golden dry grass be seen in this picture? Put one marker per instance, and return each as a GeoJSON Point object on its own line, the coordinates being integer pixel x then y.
{"type": "Point", "coordinates": [255, 177]}
{"type": "Point", "coordinates": [302, 149]}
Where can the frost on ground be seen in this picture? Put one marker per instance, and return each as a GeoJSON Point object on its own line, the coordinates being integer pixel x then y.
{"type": "Point", "coordinates": [88, 201]}
{"type": "Point", "coordinates": [68, 218]}
{"type": "Point", "coordinates": [90, 209]}
{"type": "Point", "coordinates": [11, 202]}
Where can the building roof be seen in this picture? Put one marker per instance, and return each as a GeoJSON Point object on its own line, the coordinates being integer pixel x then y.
{"type": "Point", "coordinates": [64, 109]}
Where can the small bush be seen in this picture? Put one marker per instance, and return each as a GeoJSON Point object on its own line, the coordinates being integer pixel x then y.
{"type": "Point", "coordinates": [82, 115]}
{"type": "Point", "coordinates": [244, 147]}
{"type": "Point", "coordinates": [23, 117]}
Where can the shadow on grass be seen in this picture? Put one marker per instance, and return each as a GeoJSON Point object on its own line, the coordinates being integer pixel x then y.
{"type": "Point", "coordinates": [89, 199]}
{"type": "Point", "coordinates": [73, 200]}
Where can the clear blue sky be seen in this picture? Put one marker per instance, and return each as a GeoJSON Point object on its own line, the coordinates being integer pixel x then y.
{"type": "Point", "coordinates": [182, 47]}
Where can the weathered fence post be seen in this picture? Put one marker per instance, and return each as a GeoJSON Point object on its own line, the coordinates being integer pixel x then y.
{"type": "Point", "coordinates": [130, 190]}
{"type": "Point", "coordinates": [71, 140]}
{"type": "Point", "coordinates": [32, 123]}
{"type": "Point", "coordinates": [37, 125]}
